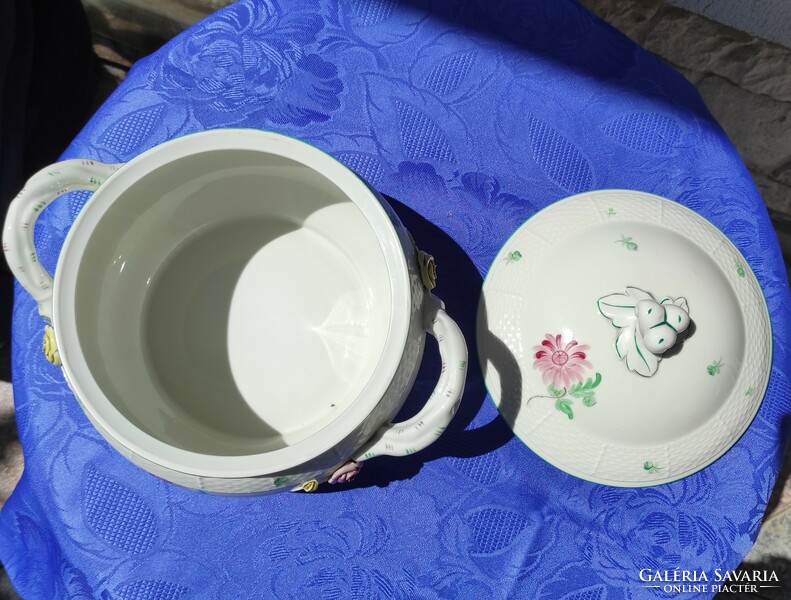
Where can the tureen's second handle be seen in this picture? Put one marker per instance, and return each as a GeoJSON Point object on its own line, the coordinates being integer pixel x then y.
{"type": "Point", "coordinates": [39, 191]}
{"type": "Point", "coordinates": [408, 437]}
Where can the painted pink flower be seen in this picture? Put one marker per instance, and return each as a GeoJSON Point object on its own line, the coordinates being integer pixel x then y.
{"type": "Point", "coordinates": [561, 363]}
{"type": "Point", "coordinates": [347, 472]}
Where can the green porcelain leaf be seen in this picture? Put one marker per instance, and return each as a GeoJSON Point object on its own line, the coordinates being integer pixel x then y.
{"type": "Point", "coordinates": [586, 391]}
{"type": "Point", "coordinates": [555, 392]}
{"type": "Point", "coordinates": [581, 388]}
{"type": "Point", "coordinates": [564, 406]}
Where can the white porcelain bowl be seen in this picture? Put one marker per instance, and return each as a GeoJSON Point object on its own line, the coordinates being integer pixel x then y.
{"type": "Point", "coordinates": [237, 311]}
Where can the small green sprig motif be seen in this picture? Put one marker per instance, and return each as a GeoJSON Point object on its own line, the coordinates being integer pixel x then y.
{"type": "Point", "coordinates": [715, 368]}
{"type": "Point", "coordinates": [651, 467]}
{"type": "Point", "coordinates": [513, 257]}
{"type": "Point", "coordinates": [585, 391]}
{"type": "Point", "coordinates": [628, 243]}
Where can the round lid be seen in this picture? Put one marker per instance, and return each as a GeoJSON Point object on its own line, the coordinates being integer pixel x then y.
{"type": "Point", "coordinates": [624, 338]}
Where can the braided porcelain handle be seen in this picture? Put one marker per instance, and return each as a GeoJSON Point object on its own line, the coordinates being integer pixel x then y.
{"type": "Point", "coordinates": [39, 191]}
{"type": "Point", "coordinates": [412, 435]}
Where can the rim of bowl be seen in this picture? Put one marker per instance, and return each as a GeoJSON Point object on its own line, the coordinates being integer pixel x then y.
{"type": "Point", "coordinates": [112, 422]}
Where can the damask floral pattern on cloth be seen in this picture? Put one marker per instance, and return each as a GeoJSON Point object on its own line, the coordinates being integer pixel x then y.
{"type": "Point", "coordinates": [470, 116]}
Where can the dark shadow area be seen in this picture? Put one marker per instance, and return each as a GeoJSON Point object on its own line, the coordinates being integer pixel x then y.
{"type": "Point", "coordinates": [6, 307]}
{"type": "Point", "coordinates": [48, 78]}
{"type": "Point", "coordinates": [494, 352]}
{"type": "Point", "coordinates": [8, 432]}
{"type": "Point", "coordinates": [190, 308]}
{"type": "Point", "coordinates": [7, 591]}
{"type": "Point", "coordinates": [682, 337]}
{"type": "Point", "coordinates": [459, 285]}
{"type": "Point", "coordinates": [569, 35]}
{"type": "Point", "coordinates": [134, 30]}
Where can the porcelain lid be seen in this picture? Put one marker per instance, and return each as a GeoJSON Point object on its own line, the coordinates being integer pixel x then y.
{"type": "Point", "coordinates": [624, 338]}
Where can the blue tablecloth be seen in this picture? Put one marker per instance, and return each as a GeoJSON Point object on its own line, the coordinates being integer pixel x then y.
{"type": "Point", "coordinates": [471, 116]}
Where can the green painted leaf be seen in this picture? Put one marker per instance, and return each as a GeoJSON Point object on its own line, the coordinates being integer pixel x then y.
{"type": "Point", "coordinates": [564, 406]}
{"type": "Point", "coordinates": [586, 391]}
{"type": "Point", "coordinates": [555, 392]}
{"type": "Point", "coordinates": [715, 367]}
{"type": "Point", "coordinates": [586, 387]}
{"type": "Point", "coordinates": [627, 242]}
{"type": "Point", "coordinates": [514, 256]}
{"type": "Point", "coordinates": [596, 380]}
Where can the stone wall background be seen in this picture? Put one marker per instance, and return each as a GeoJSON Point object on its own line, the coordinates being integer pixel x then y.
{"type": "Point", "coordinates": [135, 28]}
{"type": "Point", "coordinates": [744, 81]}
{"type": "Point", "coordinates": [767, 19]}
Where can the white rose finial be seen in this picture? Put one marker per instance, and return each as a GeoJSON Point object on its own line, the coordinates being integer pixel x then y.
{"type": "Point", "coordinates": [647, 328]}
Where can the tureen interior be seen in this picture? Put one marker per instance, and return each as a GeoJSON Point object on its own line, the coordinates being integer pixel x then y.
{"type": "Point", "coordinates": [232, 302]}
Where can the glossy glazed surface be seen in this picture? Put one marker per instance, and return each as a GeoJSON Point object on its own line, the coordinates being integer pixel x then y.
{"type": "Point", "coordinates": [232, 304]}
{"type": "Point", "coordinates": [579, 392]}
{"type": "Point", "coordinates": [238, 312]}
{"type": "Point", "coordinates": [161, 304]}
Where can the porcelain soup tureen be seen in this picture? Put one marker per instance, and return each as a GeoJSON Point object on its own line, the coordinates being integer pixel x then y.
{"type": "Point", "coordinates": [237, 312]}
